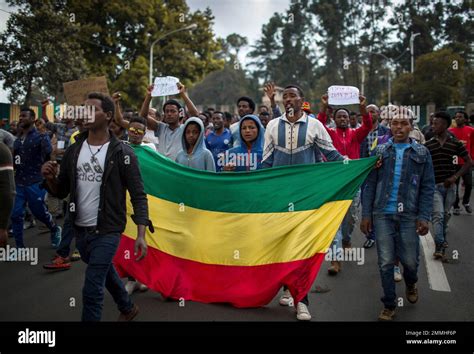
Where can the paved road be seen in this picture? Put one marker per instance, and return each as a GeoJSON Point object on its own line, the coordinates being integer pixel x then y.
{"type": "Point", "coordinates": [29, 293]}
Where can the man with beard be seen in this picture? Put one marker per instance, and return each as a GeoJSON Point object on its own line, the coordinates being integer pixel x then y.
{"type": "Point", "coordinates": [30, 151]}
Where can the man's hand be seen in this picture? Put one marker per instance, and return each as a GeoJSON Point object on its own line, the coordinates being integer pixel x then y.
{"type": "Point", "coordinates": [140, 245]}
{"type": "Point", "coordinates": [149, 89]}
{"type": "Point", "coordinates": [181, 88]}
{"type": "Point", "coordinates": [363, 105]}
{"type": "Point", "coordinates": [116, 97]}
{"type": "Point", "coordinates": [229, 167]}
{"type": "Point", "coordinates": [269, 90]}
{"type": "Point", "coordinates": [49, 170]}
{"type": "Point", "coordinates": [3, 238]}
{"type": "Point", "coordinates": [366, 226]}
{"type": "Point", "coordinates": [324, 103]}
{"type": "Point", "coordinates": [378, 164]}
{"type": "Point", "coordinates": [422, 227]}
{"type": "Point", "coordinates": [448, 182]}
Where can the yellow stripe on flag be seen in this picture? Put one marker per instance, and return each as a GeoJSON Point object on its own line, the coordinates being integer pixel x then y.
{"type": "Point", "coordinates": [240, 239]}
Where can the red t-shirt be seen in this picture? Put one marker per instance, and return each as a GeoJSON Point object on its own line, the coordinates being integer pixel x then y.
{"type": "Point", "coordinates": [466, 136]}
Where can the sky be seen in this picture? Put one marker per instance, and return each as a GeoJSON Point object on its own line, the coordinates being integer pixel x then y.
{"type": "Point", "coordinates": [244, 17]}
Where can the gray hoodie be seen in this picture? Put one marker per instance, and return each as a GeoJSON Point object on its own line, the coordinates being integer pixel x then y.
{"type": "Point", "coordinates": [201, 158]}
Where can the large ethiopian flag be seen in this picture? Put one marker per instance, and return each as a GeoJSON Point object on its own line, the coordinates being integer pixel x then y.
{"type": "Point", "coordinates": [238, 237]}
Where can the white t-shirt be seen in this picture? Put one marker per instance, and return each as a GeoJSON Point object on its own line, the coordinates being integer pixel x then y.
{"type": "Point", "coordinates": [89, 179]}
{"type": "Point", "coordinates": [150, 145]}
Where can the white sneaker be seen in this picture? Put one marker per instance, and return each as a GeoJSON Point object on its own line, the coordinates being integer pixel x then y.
{"type": "Point", "coordinates": [131, 286]}
{"type": "Point", "coordinates": [142, 287]}
{"type": "Point", "coordinates": [302, 312]}
{"type": "Point", "coordinates": [397, 275]}
{"type": "Point", "coordinates": [286, 299]}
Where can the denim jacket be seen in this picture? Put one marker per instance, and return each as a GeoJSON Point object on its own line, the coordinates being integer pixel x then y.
{"type": "Point", "coordinates": [417, 183]}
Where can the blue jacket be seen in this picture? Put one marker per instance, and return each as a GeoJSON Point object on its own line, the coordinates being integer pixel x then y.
{"type": "Point", "coordinates": [240, 156]}
{"type": "Point", "coordinates": [417, 183]}
{"type": "Point", "coordinates": [28, 157]}
{"type": "Point", "coordinates": [200, 158]}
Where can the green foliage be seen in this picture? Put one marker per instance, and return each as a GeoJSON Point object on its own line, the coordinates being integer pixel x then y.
{"type": "Point", "coordinates": [36, 51]}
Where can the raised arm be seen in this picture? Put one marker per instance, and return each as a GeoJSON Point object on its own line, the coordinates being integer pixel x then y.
{"type": "Point", "coordinates": [152, 124]}
{"type": "Point", "coordinates": [118, 117]}
{"type": "Point", "coordinates": [270, 92]}
{"type": "Point", "coordinates": [193, 112]}
{"type": "Point", "coordinates": [367, 124]}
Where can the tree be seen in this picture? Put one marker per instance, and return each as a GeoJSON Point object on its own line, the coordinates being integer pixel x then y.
{"type": "Point", "coordinates": [36, 50]}
{"type": "Point", "coordinates": [439, 77]}
{"type": "Point", "coordinates": [117, 35]}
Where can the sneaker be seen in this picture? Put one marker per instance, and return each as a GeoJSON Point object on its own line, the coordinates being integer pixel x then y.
{"type": "Point", "coordinates": [456, 211]}
{"type": "Point", "coordinates": [58, 263]}
{"type": "Point", "coordinates": [286, 299]}
{"type": "Point", "coordinates": [56, 236]}
{"type": "Point", "coordinates": [397, 275]}
{"type": "Point", "coordinates": [131, 286]}
{"type": "Point", "coordinates": [29, 224]}
{"type": "Point", "coordinates": [438, 253]}
{"type": "Point", "coordinates": [468, 208]}
{"type": "Point", "coordinates": [335, 268]}
{"type": "Point", "coordinates": [129, 315]}
{"type": "Point", "coordinates": [387, 314]}
{"type": "Point", "coordinates": [142, 287]}
{"type": "Point", "coordinates": [369, 243]}
{"type": "Point", "coordinates": [412, 293]}
{"type": "Point", "coordinates": [75, 256]}
{"type": "Point", "coordinates": [346, 244]}
{"type": "Point", "coordinates": [302, 312]}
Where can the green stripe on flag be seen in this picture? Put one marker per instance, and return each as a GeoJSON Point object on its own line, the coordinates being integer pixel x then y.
{"type": "Point", "coordinates": [278, 189]}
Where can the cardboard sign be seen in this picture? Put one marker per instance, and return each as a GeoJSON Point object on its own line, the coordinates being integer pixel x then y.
{"type": "Point", "coordinates": [165, 86]}
{"type": "Point", "coordinates": [76, 91]}
{"type": "Point", "coordinates": [342, 95]}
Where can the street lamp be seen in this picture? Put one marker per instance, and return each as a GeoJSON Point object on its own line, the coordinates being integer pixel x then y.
{"type": "Point", "coordinates": [412, 50]}
{"type": "Point", "coordinates": [190, 27]}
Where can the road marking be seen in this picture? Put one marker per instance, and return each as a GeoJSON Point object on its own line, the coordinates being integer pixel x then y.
{"type": "Point", "coordinates": [436, 274]}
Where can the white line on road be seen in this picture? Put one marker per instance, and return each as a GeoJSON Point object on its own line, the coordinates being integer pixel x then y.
{"type": "Point", "coordinates": [436, 275]}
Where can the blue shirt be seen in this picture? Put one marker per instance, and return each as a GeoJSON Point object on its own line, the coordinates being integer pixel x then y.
{"type": "Point", "coordinates": [392, 207]}
{"type": "Point", "coordinates": [28, 157]}
{"type": "Point", "coordinates": [219, 143]}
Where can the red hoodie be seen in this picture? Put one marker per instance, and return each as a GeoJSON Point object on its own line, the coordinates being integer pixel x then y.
{"type": "Point", "coordinates": [466, 136]}
{"type": "Point", "coordinates": [347, 141]}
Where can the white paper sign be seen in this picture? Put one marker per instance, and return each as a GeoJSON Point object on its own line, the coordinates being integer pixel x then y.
{"type": "Point", "coordinates": [60, 144]}
{"type": "Point", "coordinates": [342, 95]}
{"type": "Point", "coordinates": [165, 86]}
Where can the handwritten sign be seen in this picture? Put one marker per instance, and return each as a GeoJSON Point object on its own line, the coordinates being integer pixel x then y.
{"type": "Point", "coordinates": [342, 95]}
{"type": "Point", "coordinates": [165, 86]}
{"type": "Point", "coordinates": [76, 91]}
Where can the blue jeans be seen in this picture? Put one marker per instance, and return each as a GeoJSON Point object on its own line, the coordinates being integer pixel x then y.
{"type": "Point", "coordinates": [443, 200]}
{"type": "Point", "coordinates": [396, 237]}
{"type": "Point", "coordinates": [64, 248]}
{"type": "Point", "coordinates": [350, 219]}
{"type": "Point", "coordinates": [34, 196]}
{"type": "Point", "coordinates": [336, 245]}
{"type": "Point", "coordinates": [98, 252]}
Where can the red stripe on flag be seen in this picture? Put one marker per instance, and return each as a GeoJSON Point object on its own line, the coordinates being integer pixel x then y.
{"type": "Point", "coordinates": [241, 286]}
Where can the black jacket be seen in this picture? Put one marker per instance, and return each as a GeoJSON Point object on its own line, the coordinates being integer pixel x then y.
{"type": "Point", "coordinates": [121, 173]}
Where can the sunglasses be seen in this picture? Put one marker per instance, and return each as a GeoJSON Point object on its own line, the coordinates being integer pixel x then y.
{"type": "Point", "coordinates": [136, 131]}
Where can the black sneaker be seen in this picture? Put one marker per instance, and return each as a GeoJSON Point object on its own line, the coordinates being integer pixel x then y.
{"type": "Point", "coordinates": [468, 208]}
{"type": "Point", "coordinates": [456, 211]}
{"type": "Point", "coordinates": [438, 253]}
